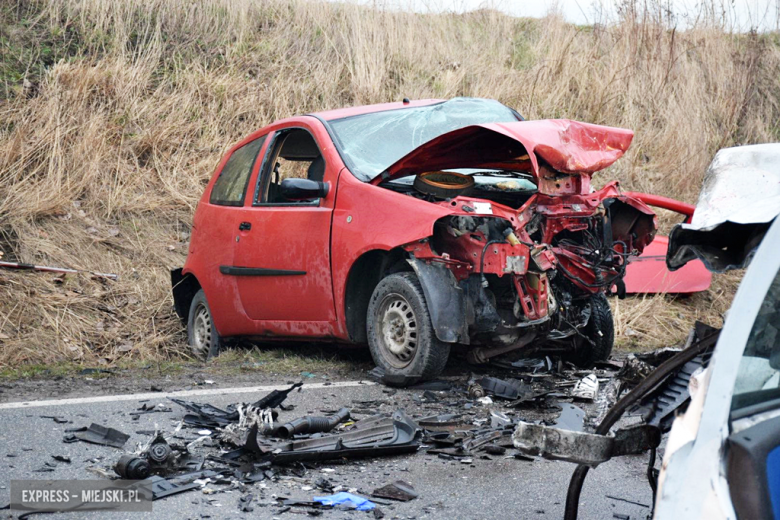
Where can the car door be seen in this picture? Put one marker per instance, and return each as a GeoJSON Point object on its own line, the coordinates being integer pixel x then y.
{"type": "Point", "coordinates": [211, 245]}
{"type": "Point", "coordinates": [723, 454]}
{"type": "Point", "coordinates": [282, 248]}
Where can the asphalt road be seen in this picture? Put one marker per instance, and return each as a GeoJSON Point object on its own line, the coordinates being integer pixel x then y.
{"type": "Point", "coordinates": [489, 489]}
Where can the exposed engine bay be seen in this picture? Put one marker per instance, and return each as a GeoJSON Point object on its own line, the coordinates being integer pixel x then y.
{"type": "Point", "coordinates": [532, 269]}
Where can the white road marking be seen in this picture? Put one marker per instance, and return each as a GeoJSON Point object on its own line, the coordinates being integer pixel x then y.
{"type": "Point", "coordinates": [183, 393]}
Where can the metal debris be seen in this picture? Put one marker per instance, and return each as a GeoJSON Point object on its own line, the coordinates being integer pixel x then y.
{"type": "Point", "coordinates": [398, 490]}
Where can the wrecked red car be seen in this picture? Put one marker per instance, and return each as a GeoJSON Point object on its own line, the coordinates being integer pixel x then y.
{"type": "Point", "coordinates": [413, 227]}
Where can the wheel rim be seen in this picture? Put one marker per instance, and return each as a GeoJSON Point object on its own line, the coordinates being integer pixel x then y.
{"type": "Point", "coordinates": [397, 325]}
{"type": "Point", "coordinates": [201, 331]}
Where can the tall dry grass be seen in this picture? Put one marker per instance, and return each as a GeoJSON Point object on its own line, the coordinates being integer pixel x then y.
{"type": "Point", "coordinates": [115, 113]}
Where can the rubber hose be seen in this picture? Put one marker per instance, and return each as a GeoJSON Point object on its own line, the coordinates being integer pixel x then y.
{"type": "Point", "coordinates": [312, 424]}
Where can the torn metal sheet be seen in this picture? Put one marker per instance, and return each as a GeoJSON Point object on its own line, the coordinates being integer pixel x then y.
{"type": "Point", "coordinates": [740, 197]}
{"type": "Point", "coordinates": [581, 447]}
{"type": "Point", "coordinates": [97, 434]}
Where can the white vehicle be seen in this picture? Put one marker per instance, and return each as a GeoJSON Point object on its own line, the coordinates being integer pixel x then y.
{"type": "Point", "coordinates": [722, 457]}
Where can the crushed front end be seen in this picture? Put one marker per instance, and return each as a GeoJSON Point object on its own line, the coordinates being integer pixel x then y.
{"type": "Point", "coordinates": [530, 249]}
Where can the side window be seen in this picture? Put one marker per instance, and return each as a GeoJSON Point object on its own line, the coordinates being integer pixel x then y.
{"type": "Point", "coordinates": [231, 184]}
{"type": "Point", "coordinates": [295, 154]}
{"type": "Point", "coordinates": [758, 378]}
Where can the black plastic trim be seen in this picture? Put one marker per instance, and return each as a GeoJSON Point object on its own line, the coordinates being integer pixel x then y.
{"type": "Point", "coordinates": [231, 270]}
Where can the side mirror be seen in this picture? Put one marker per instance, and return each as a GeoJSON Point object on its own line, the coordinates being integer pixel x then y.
{"type": "Point", "coordinates": [303, 189]}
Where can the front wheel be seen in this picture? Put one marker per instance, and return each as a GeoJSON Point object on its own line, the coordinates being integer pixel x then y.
{"type": "Point", "coordinates": [600, 334]}
{"type": "Point", "coordinates": [202, 337]}
{"type": "Point", "coordinates": [400, 334]}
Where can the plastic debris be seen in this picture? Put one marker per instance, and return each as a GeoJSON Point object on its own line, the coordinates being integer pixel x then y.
{"type": "Point", "coordinates": [97, 434]}
{"type": "Point", "coordinates": [346, 499]}
{"type": "Point", "coordinates": [586, 388]}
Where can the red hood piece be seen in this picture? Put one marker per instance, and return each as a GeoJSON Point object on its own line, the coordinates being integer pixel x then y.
{"type": "Point", "coordinates": [566, 146]}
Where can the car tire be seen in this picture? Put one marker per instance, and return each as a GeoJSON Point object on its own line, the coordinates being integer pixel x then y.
{"type": "Point", "coordinates": [401, 337]}
{"type": "Point", "coordinates": [600, 330]}
{"type": "Point", "coordinates": [202, 336]}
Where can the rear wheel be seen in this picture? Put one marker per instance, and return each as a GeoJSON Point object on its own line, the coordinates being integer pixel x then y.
{"type": "Point", "coordinates": [203, 338]}
{"type": "Point", "coordinates": [600, 334]}
{"type": "Point", "coordinates": [400, 334]}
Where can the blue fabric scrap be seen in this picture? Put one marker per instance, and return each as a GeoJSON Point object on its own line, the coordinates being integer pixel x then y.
{"type": "Point", "coordinates": [348, 499]}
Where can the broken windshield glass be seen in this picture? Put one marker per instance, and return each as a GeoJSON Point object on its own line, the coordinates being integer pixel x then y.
{"type": "Point", "coordinates": [370, 143]}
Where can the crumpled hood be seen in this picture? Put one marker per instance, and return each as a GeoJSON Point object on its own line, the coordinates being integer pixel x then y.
{"type": "Point", "coordinates": [566, 146]}
{"type": "Point", "coordinates": [739, 199]}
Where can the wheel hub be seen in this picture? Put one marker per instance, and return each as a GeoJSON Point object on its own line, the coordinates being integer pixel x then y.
{"type": "Point", "coordinates": [398, 326]}
{"type": "Point", "coordinates": [201, 331]}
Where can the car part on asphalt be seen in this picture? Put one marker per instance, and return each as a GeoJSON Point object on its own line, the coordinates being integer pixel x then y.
{"type": "Point", "coordinates": [586, 388]}
{"type": "Point", "coordinates": [398, 490]}
{"type": "Point", "coordinates": [505, 389]}
{"type": "Point", "coordinates": [97, 434]}
{"type": "Point", "coordinates": [312, 424]}
{"type": "Point", "coordinates": [377, 436]}
{"type": "Point", "coordinates": [132, 467]}
{"type": "Point", "coordinates": [276, 397]}
{"type": "Point", "coordinates": [208, 416]}
{"type": "Point", "coordinates": [655, 378]}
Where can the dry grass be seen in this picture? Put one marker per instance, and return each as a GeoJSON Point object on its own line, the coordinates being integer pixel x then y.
{"type": "Point", "coordinates": [113, 115]}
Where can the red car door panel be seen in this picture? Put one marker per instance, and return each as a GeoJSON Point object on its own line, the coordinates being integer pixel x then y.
{"type": "Point", "coordinates": [282, 264]}
{"type": "Point", "coordinates": [281, 260]}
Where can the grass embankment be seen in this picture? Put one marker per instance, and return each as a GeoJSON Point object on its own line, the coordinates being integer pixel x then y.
{"type": "Point", "coordinates": [114, 114]}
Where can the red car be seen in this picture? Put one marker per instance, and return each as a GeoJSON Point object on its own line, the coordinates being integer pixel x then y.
{"type": "Point", "coordinates": [413, 227]}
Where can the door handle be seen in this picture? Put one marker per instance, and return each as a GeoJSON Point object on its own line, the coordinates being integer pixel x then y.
{"type": "Point", "coordinates": [245, 226]}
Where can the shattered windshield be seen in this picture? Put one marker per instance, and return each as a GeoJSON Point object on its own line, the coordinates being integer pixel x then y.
{"type": "Point", "coordinates": [370, 143]}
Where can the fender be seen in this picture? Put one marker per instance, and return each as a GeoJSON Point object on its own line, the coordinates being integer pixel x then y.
{"type": "Point", "coordinates": [446, 301]}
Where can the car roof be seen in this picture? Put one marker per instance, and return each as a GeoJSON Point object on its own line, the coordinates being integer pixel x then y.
{"type": "Point", "coordinates": [329, 115]}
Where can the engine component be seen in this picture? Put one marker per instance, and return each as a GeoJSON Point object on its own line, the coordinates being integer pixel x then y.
{"type": "Point", "coordinates": [312, 424]}
{"type": "Point", "coordinates": [443, 185]}
{"type": "Point", "coordinates": [159, 451]}
{"type": "Point", "coordinates": [132, 467]}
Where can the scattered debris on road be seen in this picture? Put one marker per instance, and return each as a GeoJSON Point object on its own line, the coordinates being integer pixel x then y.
{"type": "Point", "coordinates": [521, 410]}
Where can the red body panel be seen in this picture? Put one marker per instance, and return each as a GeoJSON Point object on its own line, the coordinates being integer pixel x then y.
{"type": "Point", "coordinates": [370, 218]}
{"type": "Point", "coordinates": [648, 274]}
{"type": "Point", "coordinates": [566, 146]}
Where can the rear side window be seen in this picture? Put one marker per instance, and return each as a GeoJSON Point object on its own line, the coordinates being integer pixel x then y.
{"type": "Point", "coordinates": [232, 181]}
